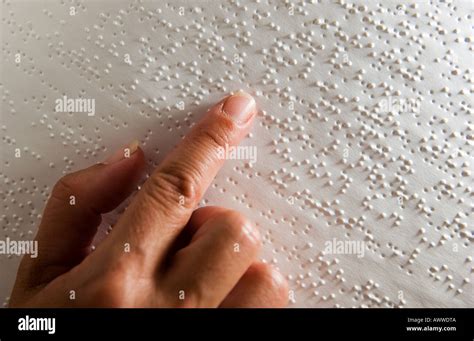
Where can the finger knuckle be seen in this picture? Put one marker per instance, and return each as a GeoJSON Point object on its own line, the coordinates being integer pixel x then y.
{"type": "Point", "coordinates": [240, 228]}
{"type": "Point", "coordinates": [176, 186]}
{"type": "Point", "coordinates": [106, 292]}
{"type": "Point", "coordinates": [217, 136]}
{"type": "Point", "coordinates": [271, 280]}
{"type": "Point", "coordinates": [195, 298]}
{"type": "Point", "coordinates": [193, 293]}
{"type": "Point", "coordinates": [64, 188]}
{"type": "Point", "coordinates": [264, 274]}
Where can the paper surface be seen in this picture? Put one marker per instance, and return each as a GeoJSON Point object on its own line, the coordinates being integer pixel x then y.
{"type": "Point", "coordinates": [362, 185]}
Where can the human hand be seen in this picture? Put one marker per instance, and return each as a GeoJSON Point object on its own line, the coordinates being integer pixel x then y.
{"type": "Point", "coordinates": [163, 252]}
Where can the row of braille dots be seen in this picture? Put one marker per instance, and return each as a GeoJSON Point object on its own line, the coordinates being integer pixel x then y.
{"type": "Point", "coordinates": [419, 205]}
{"type": "Point", "coordinates": [441, 275]}
{"type": "Point", "coordinates": [434, 152]}
{"type": "Point", "coordinates": [410, 260]}
{"type": "Point", "coordinates": [443, 238]}
{"type": "Point", "coordinates": [307, 280]}
{"type": "Point", "coordinates": [333, 146]}
{"type": "Point", "coordinates": [210, 46]}
{"type": "Point", "coordinates": [327, 208]}
{"type": "Point", "coordinates": [11, 197]}
{"type": "Point", "coordinates": [28, 67]}
{"type": "Point", "coordinates": [67, 137]}
{"type": "Point", "coordinates": [118, 50]}
{"type": "Point", "coordinates": [248, 170]}
{"type": "Point", "coordinates": [318, 285]}
{"type": "Point", "coordinates": [295, 252]}
{"type": "Point", "coordinates": [270, 215]}
{"type": "Point", "coordinates": [364, 292]}
{"type": "Point", "coordinates": [378, 24]}
{"type": "Point", "coordinates": [312, 169]}
{"type": "Point", "coordinates": [456, 227]}
{"type": "Point", "coordinates": [282, 177]}
{"type": "Point", "coordinates": [76, 60]}
{"type": "Point", "coordinates": [26, 64]}
{"type": "Point", "coordinates": [368, 292]}
{"type": "Point", "coordinates": [290, 124]}
{"type": "Point", "coordinates": [445, 190]}
{"type": "Point", "coordinates": [17, 28]}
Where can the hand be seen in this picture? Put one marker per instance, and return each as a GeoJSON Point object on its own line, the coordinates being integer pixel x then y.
{"type": "Point", "coordinates": [163, 252]}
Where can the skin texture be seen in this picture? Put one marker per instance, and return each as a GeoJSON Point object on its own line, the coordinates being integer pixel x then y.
{"type": "Point", "coordinates": [163, 252]}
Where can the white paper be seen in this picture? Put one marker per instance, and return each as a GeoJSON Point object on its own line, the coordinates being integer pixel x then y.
{"type": "Point", "coordinates": [364, 138]}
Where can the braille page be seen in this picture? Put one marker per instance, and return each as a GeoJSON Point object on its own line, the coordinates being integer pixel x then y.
{"type": "Point", "coordinates": [358, 171]}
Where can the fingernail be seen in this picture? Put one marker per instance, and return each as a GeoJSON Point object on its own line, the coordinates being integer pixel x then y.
{"type": "Point", "coordinates": [240, 107]}
{"type": "Point", "coordinates": [252, 233]}
{"type": "Point", "coordinates": [122, 153]}
{"type": "Point", "coordinates": [278, 278]}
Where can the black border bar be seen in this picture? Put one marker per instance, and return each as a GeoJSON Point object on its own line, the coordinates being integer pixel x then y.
{"type": "Point", "coordinates": [317, 324]}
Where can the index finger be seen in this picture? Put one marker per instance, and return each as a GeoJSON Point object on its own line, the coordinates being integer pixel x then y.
{"type": "Point", "coordinates": [164, 205]}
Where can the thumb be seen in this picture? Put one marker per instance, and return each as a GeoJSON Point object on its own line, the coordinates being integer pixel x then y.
{"type": "Point", "coordinates": [73, 212]}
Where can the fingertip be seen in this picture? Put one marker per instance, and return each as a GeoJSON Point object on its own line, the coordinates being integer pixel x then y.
{"type": "Point", "coordinates": [123, 153]}
{"type": "Point", "coordinates": [240, 107]}
{"type": "Point", "coordinates": [281, 286]}
{"type": "Point", "coordinates": [275, 283]}
{"type": "Point", "coordinates": [130, 157]}
{"type": "Point", "coordinates": [139, 157]}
